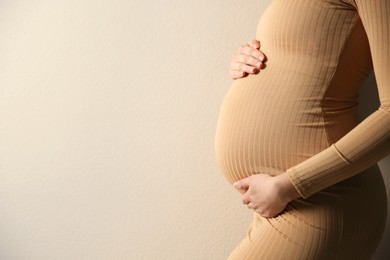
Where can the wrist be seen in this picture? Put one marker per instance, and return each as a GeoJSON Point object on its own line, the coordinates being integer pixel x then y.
{"type": "Point", "coordinates": [287, 188]}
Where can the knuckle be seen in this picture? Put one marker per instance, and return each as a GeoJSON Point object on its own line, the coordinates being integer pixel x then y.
{"type": "Point", "coordinates": [251, 60]}
{"type": "Point", "coordinates": [240, 58]}
{"type": "Point", "coordinates": [255, 53]}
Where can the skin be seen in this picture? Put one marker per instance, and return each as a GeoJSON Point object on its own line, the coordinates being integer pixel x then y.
{"type": "Point", "coordinates": [248, 59]}
{"type": "Point", "coordinates": [266, 194]}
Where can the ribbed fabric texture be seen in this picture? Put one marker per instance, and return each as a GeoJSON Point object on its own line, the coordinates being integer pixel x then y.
{"type": "Point", "coordinates": [299, 115]}
{"type": "Point", "coordinates": [368, 142]}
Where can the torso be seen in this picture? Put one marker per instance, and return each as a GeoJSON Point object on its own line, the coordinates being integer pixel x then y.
{"type": "Point", "coordinates": [305, 98]}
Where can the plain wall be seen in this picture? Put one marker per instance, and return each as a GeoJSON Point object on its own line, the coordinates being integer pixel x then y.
{"type": "Point", "coordinates": [108, 112]}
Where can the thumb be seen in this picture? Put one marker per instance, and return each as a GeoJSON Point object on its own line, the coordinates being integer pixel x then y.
{"type": "Point", "coordinates": [241, 184]}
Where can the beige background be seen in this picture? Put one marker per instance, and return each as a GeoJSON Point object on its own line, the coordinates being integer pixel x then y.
{"type": "Point", "coordinates": [108, 112]}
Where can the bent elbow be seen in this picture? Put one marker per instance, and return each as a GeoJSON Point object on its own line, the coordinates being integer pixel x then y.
{"type": "Point", "coordinates": [385, 108]}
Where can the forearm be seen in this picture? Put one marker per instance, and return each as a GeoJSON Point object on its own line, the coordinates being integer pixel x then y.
{"type": "Point", "coordinates": [365, 145]}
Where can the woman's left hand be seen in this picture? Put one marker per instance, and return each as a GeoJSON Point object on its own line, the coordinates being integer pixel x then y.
{"type": "Point", "coordinates": [268, 195]}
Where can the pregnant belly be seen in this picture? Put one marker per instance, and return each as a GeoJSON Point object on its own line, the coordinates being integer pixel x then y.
{"type": "Point", "coordinates": [260, 130]}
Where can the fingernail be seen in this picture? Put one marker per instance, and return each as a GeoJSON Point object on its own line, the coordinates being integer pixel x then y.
{"type": "Point", "coordinates": [235, 185]}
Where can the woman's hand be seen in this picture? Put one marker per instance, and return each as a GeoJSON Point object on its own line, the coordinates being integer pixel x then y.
{"type": "Point", "coordinates": [247, 59]}
{"type": "Point", "coordinates": [268, 195]}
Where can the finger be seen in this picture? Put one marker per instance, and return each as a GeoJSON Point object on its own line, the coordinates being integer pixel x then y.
{"type": "Point", "coordinates": [249, 60]}
{"type": "Point", "coordinates": [254, 44]}
{"type": "Point", "coordinates": [236, 74]}
{"type": "Point", "coordinates": [248, 50]}
{"type": "Point", "coordinates": [241, 184]}
{"type": "Point", "coordinates": [245, 200]}
{"type": "Point", "coordinates": [243, 67]}
{"type": "Point", "coordinates": [259, 211]}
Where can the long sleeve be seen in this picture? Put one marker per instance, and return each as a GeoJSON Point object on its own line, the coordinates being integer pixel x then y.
{"type": "Point", "coordinates": [369, 141]}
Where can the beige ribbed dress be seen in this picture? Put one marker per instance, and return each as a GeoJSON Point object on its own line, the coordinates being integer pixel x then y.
{"type": "Point", "coordinates": [299, 115]}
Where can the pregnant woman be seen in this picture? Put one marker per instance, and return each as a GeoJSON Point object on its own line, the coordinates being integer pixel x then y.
{"type": "Point", "coordinates": [288, 135]}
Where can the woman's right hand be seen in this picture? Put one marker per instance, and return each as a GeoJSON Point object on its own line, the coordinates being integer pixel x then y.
{"type": "Point", "coordinates": [248, 59]}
